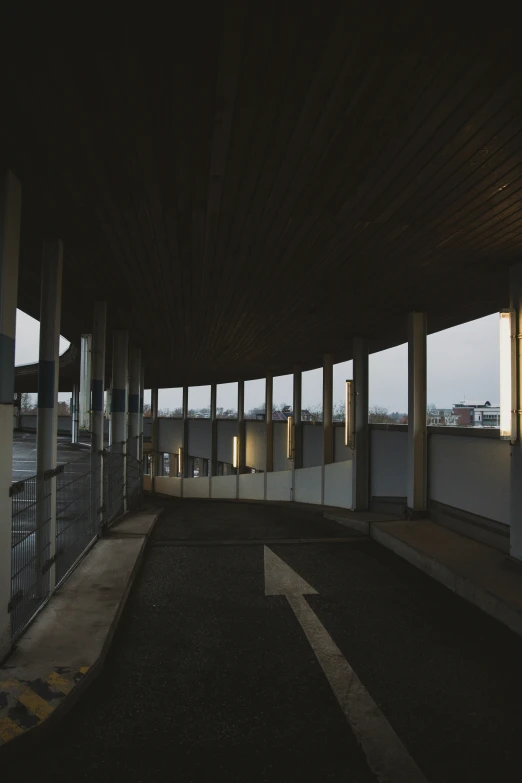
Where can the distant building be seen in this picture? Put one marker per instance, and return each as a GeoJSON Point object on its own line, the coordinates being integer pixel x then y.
{"type": "Point", "coordinates": [442, 417]}
{"type": "Point", "coordinates": [477, 414]}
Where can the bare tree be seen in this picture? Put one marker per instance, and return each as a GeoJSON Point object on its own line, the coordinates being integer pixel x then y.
{"type": "Point", "coordinates": [379, 415]}
{"type": "Point", "coordinates": [26, 403]}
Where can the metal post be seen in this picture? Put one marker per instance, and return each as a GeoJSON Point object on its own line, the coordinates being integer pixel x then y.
{"type": "Point", "coordinates": [134, 401]}
{"type": "Point", "coordinates": [417, 429]}
{"type": "Point", "coordinates": [75, 400]}
{"type": "Point", "coordinates": [214, 433]}
{"type": "Point", "coordinates": [269, 427]}
{"type": "Point", "coordinates": [85, 382]}
{"type": "Point", "coordinates": [361, 455]}
{"type": "Point", "coordinates": [10, 207]}
{"type": "Point", "coordinates": [155, 461]}
{"type": "Point", "coordinates": [298, 424]}
{"type": "Point", "coordinates": [120, 381]}
{"type": "Point", "coordinates": [97, 406]}
{"type": "Point", "coordinates": [328, 444]}
{"type": "Point", "coordinates": [46, 433]}
{"type": "Point", "coordinates": [186, 460]}
{"type": "Point", "coordinates": [515, 529]}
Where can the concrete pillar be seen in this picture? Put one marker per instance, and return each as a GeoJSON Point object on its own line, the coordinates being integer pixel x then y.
{"type": "Point", "coordinates": [417, 429]}
{"type": "Point", "coordinates": [298, 424]}
{"type": "Point", "coordinates": [120, 399]}
{"type": "Point", "coordinates": [269, 427]}
{"type": "Point", "coordinates": [155, 460]}
{"type": "Point", "coordinates": [85, 382]}
{"type": "Point", "coordinates": [241, 429]}
{"type": "Point", "coordinates": [10, 206]}
{"type": "Point", "coordinates": [328, 443]}
{"type": "Point", "coordinates": [75, 413]}
{"type": "Point", "coordinates": [515, 529]}
{"type": "Point", "coordinates": [361, 455]}
{"type": "Point", "coordinates": [97, 404]}
{"type": "Point", "coordinates": [134, 401]}
{"type": "Point", "coordinates": [140, 425]}
{"type": "Point", "coordinates": [214, 432]}
{"type": "Point", "coordinates": [186, 460]}
{"type": "Point", "coordinates": [47, 423]}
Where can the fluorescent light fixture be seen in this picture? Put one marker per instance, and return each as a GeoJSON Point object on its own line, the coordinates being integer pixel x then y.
{"type": "Point", "coordinates": [180, 460]}
{"type": "Point", "coordinates": [349, 415]}
{"type": "Point", "coordinates": [506, 374]}
{"type": "Point", "coordinates": [290, 437]}
{"type": "Point", "coordinates": [235, 452]}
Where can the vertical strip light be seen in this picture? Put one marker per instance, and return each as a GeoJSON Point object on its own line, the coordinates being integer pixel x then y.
{"type": "Point", "coordinates": [290, 437]}
{"type": "Point", "coordinates": [235, 452]}
{"type": "Point", "coordinates": [506, 375]}
{"type": "Point", "coordinates": [348, 415]}
{"type": "Point", "coordinates": [180, 461]}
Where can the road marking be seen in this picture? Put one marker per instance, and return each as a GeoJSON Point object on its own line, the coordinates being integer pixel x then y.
{"type": "Point", "coordinates": [387, 757]}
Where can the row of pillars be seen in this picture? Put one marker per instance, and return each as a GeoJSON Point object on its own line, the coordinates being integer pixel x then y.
{"type": "Point", "coordinates": [127, 420]}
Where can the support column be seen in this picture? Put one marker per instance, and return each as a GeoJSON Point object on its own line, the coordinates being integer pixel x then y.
{"type": "Point", "coordinates": [328, 444]}
{"type": "Point", "coordinates": [155, 462]}
{"type": "Point", "coordinates": [47, 424]}
{"type": "Point", "coordinates": [10, 207]}
{"type": "Point", "coordinates": [97, 405]}
{"type": "Point", "coordinates": [241, 429]}
{"type": "Point", "coordinates": [269, 427]}
{"type": "Point", "coordinates": [85, 382]}
{"type": "Point", "coordinates": [134, 401]}
{"type": "Point", "coordinates": [75, 400]}
{"type": "Point", "coordinates": [417, 429]}
{"type": "Point", "coordinates": [140, 426]}
{"type": "Point", "coordinates": [185, 434]}
{"type": "Point", "coordinates": [515, 529]}
{"type": "Point", "coordinates": [120, 380]}
{"type": "Point", "coordinates": [361, 455]}
{"type": "Point", "coordinates": [214, 433]}
{"type": "Point", "coordinates": [298, 424]}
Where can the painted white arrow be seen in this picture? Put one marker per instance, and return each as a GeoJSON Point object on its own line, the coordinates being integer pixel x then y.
{"type": "Point", "coordinates": [387, 757]}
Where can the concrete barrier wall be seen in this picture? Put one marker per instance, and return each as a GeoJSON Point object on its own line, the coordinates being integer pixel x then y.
{"type": "Point", "coordinates": [196, 487]}
{"type": "Point", "coordinates": [280, 460]}
{"type": "Point", "coordinates": [252, 486]}
{"type": "Point", "coordinates": [470, 473]}
{"type": "Point", "coordinates": [279, 485]}
{"type": "Point", "coordinates": [223, 487]}
{"type": "Point", "coordinates": [338, 484]}
{"type": "Point", "coordinates": [170, 435]}
{"type": "Point", "coordinates": [312, 445]}
{"type": "Point", "coordinates": [388, 463]}
{"type": "Point", "coordinates": [168, 485]}
{"type": "Point", "coordinates": [308, 485]}
{"type": "Point", "coordinates": [342, 453]}
{"type": "Point", "coordinates": [255, 444]}
{"type": "Point", "coordinates": [200, 438]}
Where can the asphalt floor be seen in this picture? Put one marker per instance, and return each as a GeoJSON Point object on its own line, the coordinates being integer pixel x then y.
{"type": "Point", "coordinates": [209, 679]}
{"type": "Point", "coordinates": [24, 454]}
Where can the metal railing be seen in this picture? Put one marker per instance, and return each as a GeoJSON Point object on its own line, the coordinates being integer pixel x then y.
{"type": "Point", "coordinates": [43, 555]}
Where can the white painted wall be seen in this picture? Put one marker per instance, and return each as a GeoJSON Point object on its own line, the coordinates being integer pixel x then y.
{"type": "Point", "coordinates": [388, 463]}
{"type": "Point", "coordinates": [226, 429]}
{"type": "Point", "coordinates": [223, 486]}
{"type": "Point", "coordinates": [200, 438]}
{"type": "Point", "coordinates": [308, 485]}
{"type": "Point", "coordinates": [341, 452]}
{"type": "Point", "coordinates": [196, 487]}
{"type": "Point", "coordinates": [280, 460]}
{"type": "Point", "coordinates": [338, 484]}
{"type": "Point", "coordinates": [168, 485]}
{"type": "Point", "coordinates": [472, 474]}
{"type": "Point", "coordinates": [279, 485]}
{"type": "Point", "coordinates": [252, 486]}
{"type": "Point", "coordinates": [255, 444]}
{"type": "Point", "coordinates": [312, 445]}
{"type": "Point", "coordinates": [170, 435]}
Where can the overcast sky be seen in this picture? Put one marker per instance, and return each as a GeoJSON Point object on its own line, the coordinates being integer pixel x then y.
{"type": "Point", "coordinates": [462, 362]}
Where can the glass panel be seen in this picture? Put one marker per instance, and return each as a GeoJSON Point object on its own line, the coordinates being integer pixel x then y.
{"type": "Point", "coordinates": [170, 402]}
{"type": "Point", "coordinates": [226, 400]}
{"type": "Point", "coordinates": [312, 395]}
{"type": "Point", "coordinates": [199, 402]}
{"type": "Point", "coordinates": [255, 392]}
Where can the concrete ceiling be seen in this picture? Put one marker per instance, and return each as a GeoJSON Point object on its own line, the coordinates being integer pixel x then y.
{"type": "Point", "coordinates": [251, 185]}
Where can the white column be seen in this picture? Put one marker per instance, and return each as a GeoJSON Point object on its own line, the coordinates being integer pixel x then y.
{"type": "Point", "coordinates": [97, 403]}
{"type": "Point", "coordinates": [515, 529]}
{"type": "Point", "coordinates": [10, 206]}
{"type": "Point", "coordinates": [417, 429]}
{"type": "Point", "coordinates": [134, 400]}
{"type": "Point", "coordinates": [360, 460]}
{"type": "Point", "coordinates": [85, 382]}
{"type": "Point", "coordinates": [120, 397]}
{"type": "Point", "coordinates": [48, 368]}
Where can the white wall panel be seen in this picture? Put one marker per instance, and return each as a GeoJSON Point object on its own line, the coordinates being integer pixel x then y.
{"type": "Point", "coordinates": [196, 487]}
{"type": "Point", "coordinates": [255, 444]}
{"type": "Point", "coordinates": [341, 452]}
{"type": "Point", "coordinates": [280, 460]}
{"type": "Point", "coordinates": [312, 445]}
{"type": "Point", "coordinates": [338, 484]}
{"type": "Point", "coordinates": [252, 486]}
{"type": "Point", "coordinates": [308, 485]}
{"type": "Point", "coordinates": [168, 485]}
{"type": "Point", "coordinates": [170, 435]}
{"type": "Point", "coordinates": [279, 485]}
{"type": "Point", "coordinates": [224, 487]}
{"type": "Point", "coordinates": [388, 463]}
{"type": "Point", "coordinates": [200, 436]}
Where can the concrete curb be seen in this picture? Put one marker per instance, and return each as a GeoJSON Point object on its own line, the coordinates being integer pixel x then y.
{"type": "Point", "coordinates": [461, 585]}
{"type": "Point", "coordinates": [362, 526]}
{"type": "Point", "coordinates": [38, 733]}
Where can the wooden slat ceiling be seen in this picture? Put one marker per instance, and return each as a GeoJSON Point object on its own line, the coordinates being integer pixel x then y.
{"type": "Point", "coordinates": [251, 185]}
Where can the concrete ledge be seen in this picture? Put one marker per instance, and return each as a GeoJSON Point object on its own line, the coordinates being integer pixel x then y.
{"type": "Point", "coordinates": [65, 647]}
{"type": "Point", "coordinates": [361, 521]}
{"type": "Point", "coordinates": [480, 574]}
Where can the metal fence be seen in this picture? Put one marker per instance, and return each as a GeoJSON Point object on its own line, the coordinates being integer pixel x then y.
{"type": "Point", "coordinates": [42, 555]}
